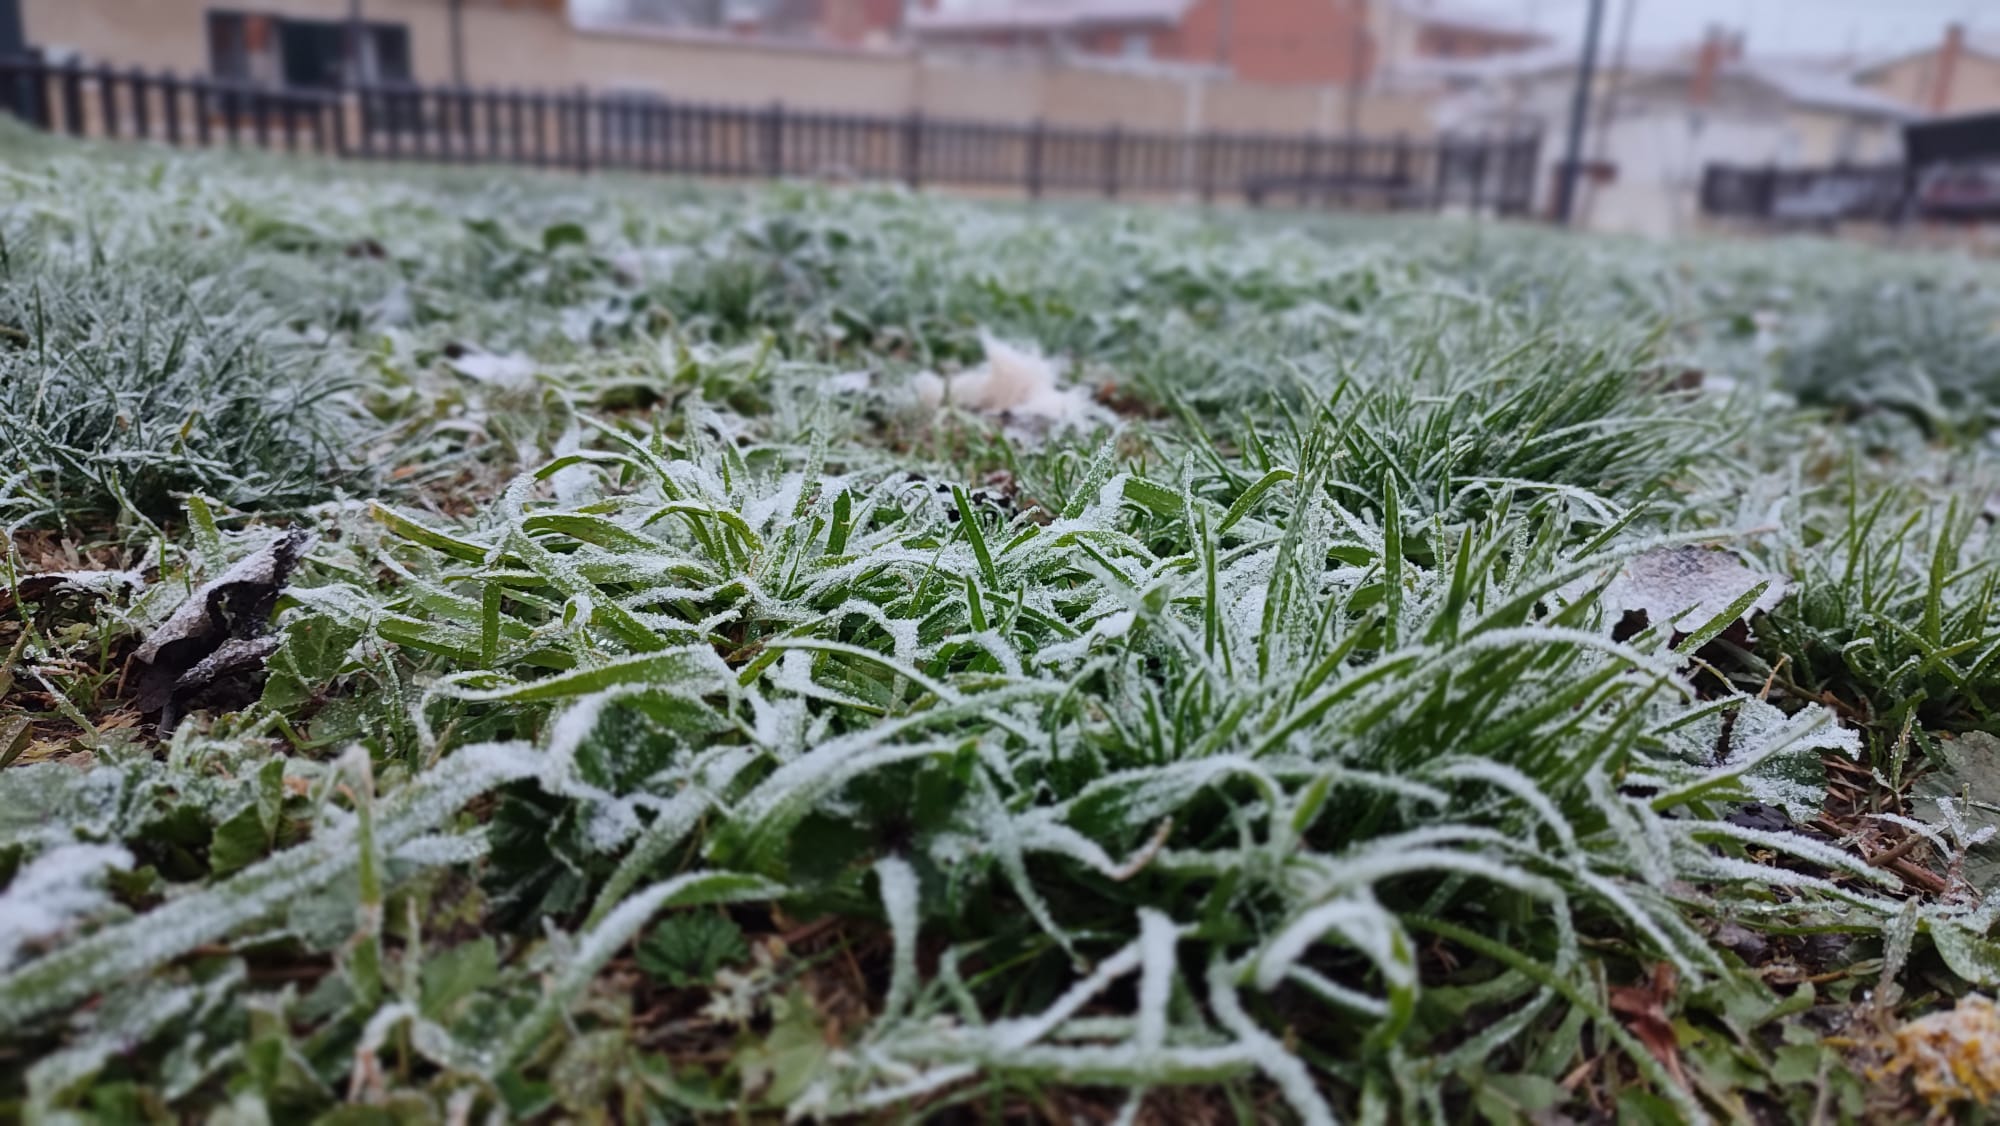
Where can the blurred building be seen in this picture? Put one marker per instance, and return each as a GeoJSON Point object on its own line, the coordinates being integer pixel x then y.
{"type": "Point", "coordinates": [1340, 42]}
{"type": "Point", "coordinates": [849, 56]}
{"type": "Point", "coordinates": [1661, 117]}
{"type": "Point", "coordinates": [1959, 74]}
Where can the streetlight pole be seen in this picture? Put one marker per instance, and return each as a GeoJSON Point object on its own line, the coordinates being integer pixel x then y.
{"type": "Point", "coordinates": [357, 43]}
{"type": "Point", "coordinates": [1579, 113]}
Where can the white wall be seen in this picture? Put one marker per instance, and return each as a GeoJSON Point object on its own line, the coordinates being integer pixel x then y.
{"type": "Point", "coordinates": [1660, 152]}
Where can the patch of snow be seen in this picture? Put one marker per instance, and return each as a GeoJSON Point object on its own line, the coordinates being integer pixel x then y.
{"type": "Point", "coordinates": [512, 369]}
{"type": "Point", "coordinates": [1015, 386]}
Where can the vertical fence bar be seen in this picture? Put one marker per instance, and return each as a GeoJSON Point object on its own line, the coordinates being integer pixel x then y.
{"type": "Point", "coordinates": [492, 124]}
{"type": "Point", "coordinates": [198, 94]}
{"type": "Point", "coordinates": [142, 109]}
{"type": "Point", "coordinates": [517, 143]}
{"type": "Point", "coordinates": [107, 99]}
{"type": "Point", "coordinates": [1205, 166]}
{"type": "Point", "coordinates": [447, 143]}
{"type": "Point", "coordinates": [913, 149]}
{"type": "Point", "coordinates": [231, 110]}
{"type": "Point", "coordinates": [774, 141]}
{"type": "Point", "coordinates": [540, 106]}
{"type": "Point", "coordinates": [1036, 134]}
{"type": "Point", "coordinates": [1479, 174]}
{"type": "Point", "coordinates": [170, 106]}
{"type": "Point", "coordinates": [1308, 167]}
{"type": "Point", "coordinates": [72, 93]}
{"type": "Point", "coordinates": [1108, 153]}
{"type": "Point", "coordinates": [260, 120]}
{"type": "Point", "coordinates": [559, 104]}
{"type": "Point", "coordinates": [391, 114]}
{"type": "Point", "coordinates": [288, 120]}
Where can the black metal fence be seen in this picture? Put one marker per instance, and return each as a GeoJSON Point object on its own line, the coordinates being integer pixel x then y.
{"type": "Point", "coordinates": [584, 131]}
{"type": "Point", "coordinates": [1806, 196]}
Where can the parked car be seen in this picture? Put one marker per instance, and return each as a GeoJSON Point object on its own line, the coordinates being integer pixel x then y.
{"type": "Point", "coordinates": [1966, 192]}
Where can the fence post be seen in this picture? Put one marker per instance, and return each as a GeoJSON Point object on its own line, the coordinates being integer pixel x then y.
{"type": "Point", "coordinates": [72, 89]}
{"type": "Point", "coordinates": [1036, 133]}
{"type": "Point", "coordinates": [142, 110]}
{"type": "Point", "coordinates": [1401, 165]}
{"type": "Point", "coordinates": [170, 106]}
{"type": "Point", "coordinates": [107, 99]}
{"type": "Point", "coordinates": [582, 129]}
{"type": "Point", "coordinates": [1110, 155]}
{"type": "Point", "coordinates": [260, 118]}
{"type": "Point", "coordinates": [1205, 166]}
{"type": "Point", "coordinates": [1310, 166]}
{"type": "Point", "coordinates": [198, 97]}
{"type": "Point", "coordinates": [913, 149]}
{"type": "Point", "coordinates": [774, 141]}
{"type": "Point", "coordinates": [1445, 147]}
{"type": "Point", "coordinates": [541, 129]}
{"type": "Point", "coordinates": [1479, 175]}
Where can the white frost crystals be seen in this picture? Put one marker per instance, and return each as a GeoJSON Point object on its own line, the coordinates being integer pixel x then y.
{"type": "Point", "coordinates": [53, 892]}
{"type": "Point", "coordinates": [1016, 387]}
{"type": "Point", "coordinates": [1689, 587]}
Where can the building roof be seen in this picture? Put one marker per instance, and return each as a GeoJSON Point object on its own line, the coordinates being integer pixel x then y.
{"type": "Point", "coordinates": [1809, 86]}
{"type": "Point", "coordinates": [1046, 15]}
{"type": "Point", "coordinates": [1979, 44]}
{"type": "Point", "coordinates": [1801, 84]}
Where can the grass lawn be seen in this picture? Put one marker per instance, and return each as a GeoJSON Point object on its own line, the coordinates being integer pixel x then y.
{"type": "Point", "coordinates": [485, 646]}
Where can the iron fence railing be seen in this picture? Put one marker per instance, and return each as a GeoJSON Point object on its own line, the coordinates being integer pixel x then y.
{"type": "Point", "coordinates": [580, 130]}
{"type": "Point", "coordinates": [1805, 196]}
{"type": "Point", "coordinates": [1944, 192]}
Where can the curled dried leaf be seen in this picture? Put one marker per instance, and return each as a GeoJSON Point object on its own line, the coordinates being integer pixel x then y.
{"type": "Point", "coordinates": [187, 654]}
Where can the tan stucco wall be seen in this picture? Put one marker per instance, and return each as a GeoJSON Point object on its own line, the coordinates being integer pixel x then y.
{"type": "Point", "coordinates": [973, 92]}
{"type": "Point", "coordinates": [1975, 82]}
{"type": "Point", "coordinates": [537, 48]}
{"type": "Point", "coordinates": [1828, 138]}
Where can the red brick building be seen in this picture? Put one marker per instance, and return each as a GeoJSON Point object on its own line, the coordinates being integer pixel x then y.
{"type": "Point", "coordinates": [1275, 41]}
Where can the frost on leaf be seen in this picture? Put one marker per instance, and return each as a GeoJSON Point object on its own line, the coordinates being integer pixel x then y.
{"type": "Point", "coordinates": [54, 891]}
{"type": "Point", "coordinates": [1015, 386]}
{"type": "Point", "coordinates": [1764, 754]}
{"type": "Point", "coordinates": [48, 586]}
{"type": "Point", "coordinates": [1685, 586]}
{"type": "Point", "coordinates": [216, 637]}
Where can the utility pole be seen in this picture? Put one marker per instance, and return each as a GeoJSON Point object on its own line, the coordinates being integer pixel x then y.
{"type": "Point", "coordinates": [357, 45]}
{"type": "Point", "coordinates": [1600, 148]}
{"type": "Point", "coordinates": [1579, 114]}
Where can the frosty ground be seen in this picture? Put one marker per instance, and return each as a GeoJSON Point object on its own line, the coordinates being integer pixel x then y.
{"type": "Point", "coordinates": [495, 645]}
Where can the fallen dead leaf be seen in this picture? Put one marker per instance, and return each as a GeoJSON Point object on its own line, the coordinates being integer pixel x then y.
{"type": "Point", "coordinates": [1644, 1009]}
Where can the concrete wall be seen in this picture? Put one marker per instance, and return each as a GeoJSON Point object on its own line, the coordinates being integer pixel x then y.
{"type": "Point", "coordinates": [533, 45]}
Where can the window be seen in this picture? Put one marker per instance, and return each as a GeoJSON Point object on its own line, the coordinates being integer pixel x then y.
{"type": "Point", "coordinates": [257, 47]}
{"type": "Point", "coordinates": [1136, 45]}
